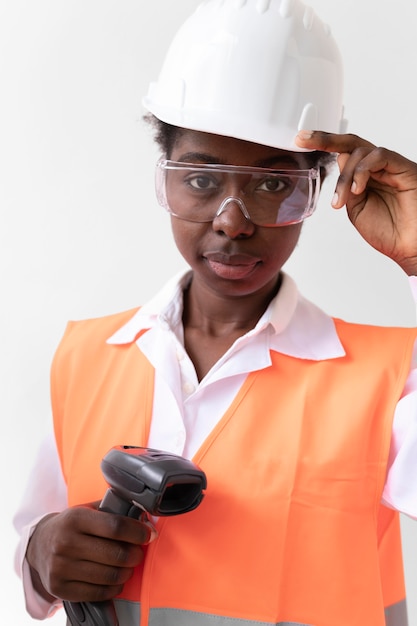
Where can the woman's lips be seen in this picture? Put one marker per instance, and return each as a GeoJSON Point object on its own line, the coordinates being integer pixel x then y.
{"type": "Point", "coordinates": [232, 267]}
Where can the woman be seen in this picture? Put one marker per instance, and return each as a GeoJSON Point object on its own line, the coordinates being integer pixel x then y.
{"type": "Point", "coordinates": [302, 423]}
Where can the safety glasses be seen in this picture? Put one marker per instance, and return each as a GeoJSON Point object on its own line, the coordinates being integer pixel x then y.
{"type": "Point", "coordinates": [267, 197]}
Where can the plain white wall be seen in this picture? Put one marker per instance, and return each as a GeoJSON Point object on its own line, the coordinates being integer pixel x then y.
{"type": "Point", "coordinates": [81, 233]}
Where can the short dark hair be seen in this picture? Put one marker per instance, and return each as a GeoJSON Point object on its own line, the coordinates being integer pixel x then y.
{"type": "Point", "coordinates": [165, 136]}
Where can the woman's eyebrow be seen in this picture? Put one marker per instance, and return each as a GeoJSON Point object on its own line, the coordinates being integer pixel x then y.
{"type": "Point", "coordinates": [201, 157]}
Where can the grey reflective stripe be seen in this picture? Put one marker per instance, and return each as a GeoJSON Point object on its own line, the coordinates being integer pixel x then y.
{"type": "Point", "coordinates": [129, 615]}
{"type": "Point", "coordinates": [396, 614]}
{"type": "Point", "coordinates": [128, 612]}
{"type": "Point", "coordinates": [177, 617]}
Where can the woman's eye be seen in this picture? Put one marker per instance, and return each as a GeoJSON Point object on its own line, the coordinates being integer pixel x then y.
{"type": "Point", "coordinates": [201, 182]}
{"type": "Point", "coordinates": [273, 184]}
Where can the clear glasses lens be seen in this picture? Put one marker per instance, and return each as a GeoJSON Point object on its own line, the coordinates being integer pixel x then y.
{"type": "Point", "coordinates": [196, 193]}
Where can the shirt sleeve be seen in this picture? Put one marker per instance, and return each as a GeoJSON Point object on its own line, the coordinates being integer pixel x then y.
{"type": "Point", "coordinates": [400, 490]}
{"type": "Point", "coordinates": [45, 493]}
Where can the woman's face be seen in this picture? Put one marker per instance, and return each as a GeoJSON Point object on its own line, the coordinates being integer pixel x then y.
{"type": "Point", "coordinates": [230, 255]}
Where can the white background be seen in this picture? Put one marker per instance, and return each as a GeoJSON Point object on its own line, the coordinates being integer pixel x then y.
{"type": "Point", "coordinates": [81, 233]}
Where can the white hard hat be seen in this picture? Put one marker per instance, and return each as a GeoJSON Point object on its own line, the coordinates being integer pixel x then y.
{"type": "Point", "coordinates": [258, 70]}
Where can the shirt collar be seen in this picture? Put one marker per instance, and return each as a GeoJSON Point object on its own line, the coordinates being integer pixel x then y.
{"type": "Point", "coordinates": [164, 309]}
{"type": "Point", "coordinates": [299, 328]}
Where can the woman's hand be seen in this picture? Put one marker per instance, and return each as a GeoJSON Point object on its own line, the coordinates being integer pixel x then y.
{"type": "Point", "coordinates": [85, 555]}
{"type": "Point", "coordinates": [379, 189]}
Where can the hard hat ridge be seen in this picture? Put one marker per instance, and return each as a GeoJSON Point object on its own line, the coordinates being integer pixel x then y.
{"type": "Point", "coordinates": [257, 70]}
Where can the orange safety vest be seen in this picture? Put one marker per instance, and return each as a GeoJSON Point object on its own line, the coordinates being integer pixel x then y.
{"type": "Point", "coordinates": [291, 530]}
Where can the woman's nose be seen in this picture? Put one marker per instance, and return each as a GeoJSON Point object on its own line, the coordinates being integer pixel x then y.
{"type": "Point", "coordinates": [232, 218]}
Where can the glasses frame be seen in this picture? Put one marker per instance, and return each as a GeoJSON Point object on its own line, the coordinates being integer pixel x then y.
{"type": "Point", "coordinates": [312, 174]}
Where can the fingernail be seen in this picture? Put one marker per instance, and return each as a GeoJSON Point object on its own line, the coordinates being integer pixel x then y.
{"type": "Point", "coordinates": [152, 533]}
{"type": "Point", "coordinates": [335, 199]}
{"type": "Point", "coordinates": [305, 134]}
{"type": "Point", "coordinates": [353, 187]}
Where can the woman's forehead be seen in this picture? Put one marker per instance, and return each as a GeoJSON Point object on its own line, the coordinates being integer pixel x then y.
{"type": "Point", "coordinates": [200, 147]}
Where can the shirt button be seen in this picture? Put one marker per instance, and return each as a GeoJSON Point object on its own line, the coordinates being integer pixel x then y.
{"type": "Point", "coordinates": [188, 388]}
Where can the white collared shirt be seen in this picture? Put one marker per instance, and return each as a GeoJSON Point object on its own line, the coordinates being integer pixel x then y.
{"type": "Point", "coordinates": [186, 410]}
{"type": "Point", "coordinates": [290, 325]}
